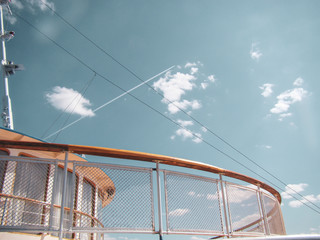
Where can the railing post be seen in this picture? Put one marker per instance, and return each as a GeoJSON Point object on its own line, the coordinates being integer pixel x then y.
{"type": "Point", "coordinates": [72, 192]}
{"type": "Point", "coordinates": [159, 200]}
{"type": "Point", "coordinates": [224, 206]}
{"type": "Point", "coordinates": [63, 195]}
{"type": "Point", "coordinates": [265, 220]}
{"type": "Point", "coordinates": [53, 197]}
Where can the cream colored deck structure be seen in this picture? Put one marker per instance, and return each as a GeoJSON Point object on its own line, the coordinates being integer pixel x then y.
{"type": "Point", "coordinates": [49, 191]}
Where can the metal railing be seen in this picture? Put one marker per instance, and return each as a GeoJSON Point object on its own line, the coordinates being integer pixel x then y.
{"type": "Point", "coordinates": [76, 198]}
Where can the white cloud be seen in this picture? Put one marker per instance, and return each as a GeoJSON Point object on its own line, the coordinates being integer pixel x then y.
{"type": "Point", "coordinates": [298, 82]}
{"type": "Point", "coordinates": [34, 4]}
{"type": "Point", "coordinates": [184, 133]}
{"type": "Point", "coordinates": [246, 220]}
{"type": "Point", "coordinates": [203, 129]}
{"type": "Point", "coordinates": [315, 230]}
{"type": "Point", "coordinates": [194, 70]}
{"type": "Point", "coordinates": [211, 78]}
{"type": "Point", "coordinates": [174, 86]}
{"type": "Point", "coordinates": [266, 89]}
{"type": "Point", "coordinates": [212, 196]}
{"type": "Point", "coordinates": [284, 115]}
{"type": "Point", "coordinates": [191, 193]}
{"type": "Point", "coordinates": [242, 194]}
{"type": "Point", "coordinates": [204, 85]}
{"type": "Point", "coordinates": [107, 237]}
{"type": "Point", "coordinates": [292, 189]}
{"type": "Point", "coordinates": [179, 212]}
{"type": "Point", "coordinates": [198, 238]}
{"type": "Point", "coordinates": [198, 138]}
{"type": "Point", "coordinates": [187, 134]}
{"type": "Point", "coordinates": [255, 52]}
{"type": "Point", "coordinates": [286, 99]}
{"type": "Point", "coordinates": [307, 199]}
{"type": "Point", "coordinates": [185, 123]}
{"type": "Point", "coordinates": [189, 65]}
{"type": "Point", "coordinates": [175, 107]}
{"type": "Point", "coordinates": [70, 101]}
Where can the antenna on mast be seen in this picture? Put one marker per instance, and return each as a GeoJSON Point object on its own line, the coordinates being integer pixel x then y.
{"type": "Point", "coordinates": [8, 68]}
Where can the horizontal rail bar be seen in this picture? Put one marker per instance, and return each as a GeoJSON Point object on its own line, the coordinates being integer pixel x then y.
{"type": "Point", "coordinates": [139, 156]}
{"type": "Point", "coordinates": [49, 204]}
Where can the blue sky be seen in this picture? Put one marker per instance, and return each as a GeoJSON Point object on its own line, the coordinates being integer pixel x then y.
{"type": "Point", "coordinates": [247, 70]}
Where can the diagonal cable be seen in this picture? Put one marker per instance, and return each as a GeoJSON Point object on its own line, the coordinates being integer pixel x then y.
{"type": "Point", "coordinates": [90, 68]}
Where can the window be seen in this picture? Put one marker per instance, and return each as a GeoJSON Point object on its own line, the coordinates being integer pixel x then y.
{"type": "Point", "coordinates": [30, 183]}
{"type": "Point", "coordinates": [3, 167]}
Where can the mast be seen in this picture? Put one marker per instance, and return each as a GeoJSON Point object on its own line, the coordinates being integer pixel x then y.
{"type": "Point", "coordinates": [8, 68]}
{"type": "Point", "coordinates": [6, 101]}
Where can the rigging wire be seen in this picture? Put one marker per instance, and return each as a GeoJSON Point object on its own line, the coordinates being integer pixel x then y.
{"type": "Point", "coordinates": [109, 102]}
{"type": "Point", "coordinates": [178, 124]}
{"type": "Point", "coordinates": [80, 97]}
{"type": "Point", "coordinates": [178, 107]}
{"type": "Point", "coordinates": [60, 115]}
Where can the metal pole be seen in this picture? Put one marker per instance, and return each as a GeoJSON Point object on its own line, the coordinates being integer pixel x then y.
{"type": "Point", "coordinates": [159, 201]}
{"type": "Point", "coordinates": [7, 109]}
{"type": "Point", "coordinates": [224, 206]}
{"type": "Point", "coordinates": [64, 189]}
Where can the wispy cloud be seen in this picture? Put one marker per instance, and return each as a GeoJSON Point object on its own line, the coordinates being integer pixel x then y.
{"type": "Point", "coordinates": [175, 107]}
{"type": "Point", "coordinates": [185, 133]}
{"type": "Point", "coordinates": [287, 98]}
{"type": "Point", "coordinates": [32, 5]}
{"type": "Point", "coordinates": [70, 101]}
{"type": "Point", "coordinates": [175, 87]}
{"type": "Point", "coordinates": [206, 82]}
{"type": "Point", "coordinates": [315, 230]}
{"type": "Point", "coordinates": [255, 52]}
{"type": "Point", "coordinates": [298, 82]}
{"type": "Point", "coordinates": [179, 212]}
{"type": "Point", "coordinates": [292, 190]}
{"type": "Point", "coordinates": [198, 238]}
{"type": "Point", "coordinates": [266, 89]}
{"type": "Point", "coordinates": [307, 199]}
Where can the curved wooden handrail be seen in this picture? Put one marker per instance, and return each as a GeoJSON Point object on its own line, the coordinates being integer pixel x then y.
{"type": "Point", "coordinates": [139, 156]}
{"type": "Point", "coordinates": [49, 204]}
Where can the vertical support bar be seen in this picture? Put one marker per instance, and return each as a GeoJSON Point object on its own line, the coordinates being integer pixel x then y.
{"type": "Point", "coordinates": [166, 198]}
{"type": "Point", "coordinates": [264, 216]}
{"type": "Point", "coordinates": [224, 206]}
{"type": "Point", "coordinates": [152, 199]}
{"type": "Point", "coordinates": [53, 195]}
{"type": "Point", "coordinates": [159, 200]}
{"type": "Point", "coordinates": [65, 175]}
{"type": "Point", "coordinates": [72, 192]}
{"type": "Point", "coordinates": [281, 218]}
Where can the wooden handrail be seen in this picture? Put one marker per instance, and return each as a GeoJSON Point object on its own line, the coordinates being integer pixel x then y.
{"type": "Point", "coordinates": [49, 204]}
{"type": "Point", "coordinates": [139, 156]}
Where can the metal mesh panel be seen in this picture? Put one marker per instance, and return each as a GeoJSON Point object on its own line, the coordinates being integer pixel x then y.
{"type": "Point", "coordinates": [122, 199]}
{"type": "Point", "coordinates": [273, 213]}
{"type": "Point", "coordinates": [23, 193]}
{"type": "Point", "coordinates": [193, 204]}
{"type": "Point", "coordinates": [245, 215]}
